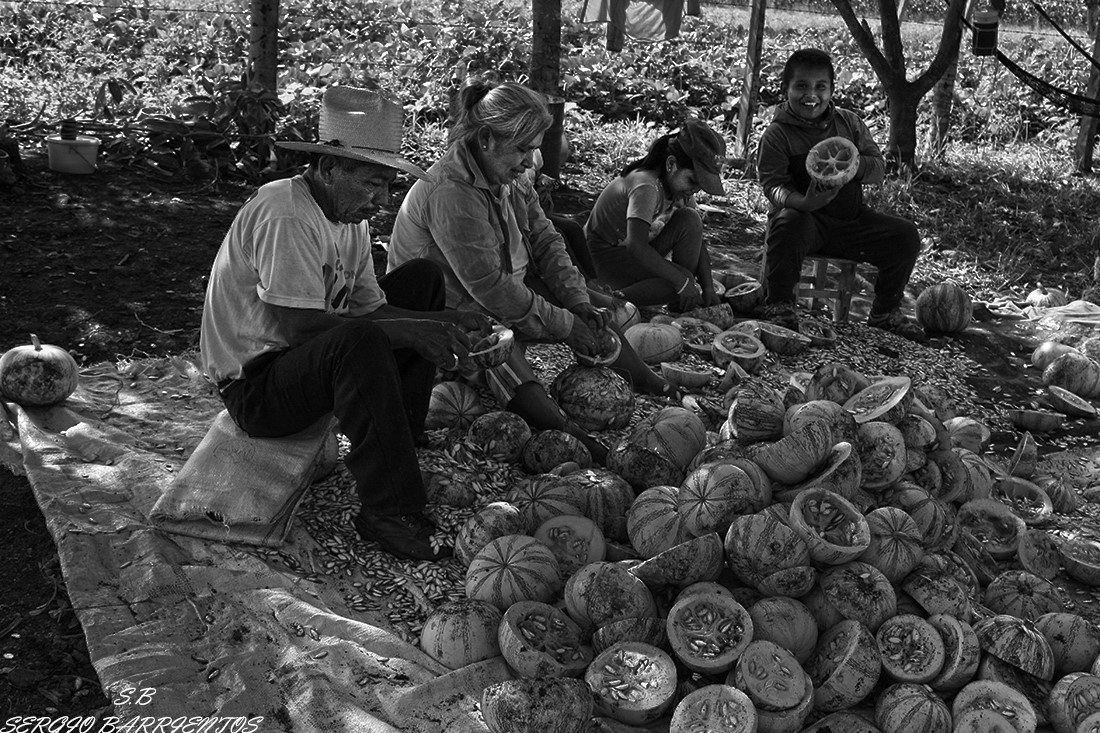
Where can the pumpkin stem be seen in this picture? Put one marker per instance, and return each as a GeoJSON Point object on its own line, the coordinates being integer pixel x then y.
{"type": "Point", "coordinates": [35, 342]}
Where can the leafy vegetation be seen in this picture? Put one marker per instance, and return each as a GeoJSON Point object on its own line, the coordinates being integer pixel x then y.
{"type": "Point", "coordinates": [167, 90]}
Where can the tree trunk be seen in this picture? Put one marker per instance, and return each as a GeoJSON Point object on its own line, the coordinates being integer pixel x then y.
{"type": "Point", "coordinates": [943, 99]}
{"type": "Point", "coordinates": [901, 146]}
{"type": "Point", "coordinates": [545, 67]}
{"type": "Point", "coordinates": [746, 107]}
{"type": "Point", "coordinates": [263, 48]}
{"type": "Point", "coordinates": [1087, 127]}
{"type": "Point", "coordinates": [545, 74]}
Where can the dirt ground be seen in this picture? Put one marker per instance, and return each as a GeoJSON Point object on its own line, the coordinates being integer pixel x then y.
{"type": "Point", "coordinates": [113, 266]}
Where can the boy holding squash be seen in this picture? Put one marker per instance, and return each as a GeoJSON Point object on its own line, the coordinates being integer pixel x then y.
{"type": "Point", "coordinates": [824, 213]}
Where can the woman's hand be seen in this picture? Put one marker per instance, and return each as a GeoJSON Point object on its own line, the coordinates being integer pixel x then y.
{"type": "Point", "coordinates": [582, 338]}
{"type": "Point", "coordinates": [597, 318]}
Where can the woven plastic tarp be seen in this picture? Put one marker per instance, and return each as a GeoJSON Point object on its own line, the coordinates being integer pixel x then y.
{"type": "Point", "coordinates": [286, 640]}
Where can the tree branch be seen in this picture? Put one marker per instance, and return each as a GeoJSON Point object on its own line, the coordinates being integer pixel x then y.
{"type": "Point", "coordinates": [891, 37]}
{"type": "Point", "coordinates": [865, 41]}
{"type": "Point", "coordinates": [948, 49]}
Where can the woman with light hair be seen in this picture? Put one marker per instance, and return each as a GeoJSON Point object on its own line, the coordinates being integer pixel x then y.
{"type": "Point", "coordinates": [478, 216]}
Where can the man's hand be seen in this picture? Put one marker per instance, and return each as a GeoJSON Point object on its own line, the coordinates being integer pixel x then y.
{"type": "Point", "coordinates": [444, 344]}
{"type": "Point", "coordinates": [476, 325]}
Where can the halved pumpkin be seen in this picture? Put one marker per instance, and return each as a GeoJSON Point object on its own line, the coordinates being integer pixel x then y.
{"type": "Point", "coordinates": [999, 697]}
{"type": "Point", "coordinates": [632, 682]}
{"type": "Point", "coordinates": [536, 706]}
{"type": "Point", "coordinates": [738, 347]}
{"type": "Point", "coordinates": [770, 675]}
{"type": "Point", "coordinates": [962, 652]}
{"type": "Point", "coordinates": [994, 524]}
{"type": "Point", "coordinates": [911, 649]}
{"type": "Point", "coordinates": [887, 399]}
{"type": "Point", "coordinates": [1017, 642]}
{"type": "Point", "coordinates": [834, 530]}
{"type": "Point", "coordinates": [708, 631]}
{"type": "Point", "coordinates": [1038, 553]}
{"type": "Point", "coordinates": [714, 709]}
{"type": "Point", "coordinates": [1082, 560]}
{"type": "Point", "coordinates": [844, 667]}
{"type": "Point", "coordinates": [1025, 499]}
{"type": "Point", "coordinates": [539, 640]}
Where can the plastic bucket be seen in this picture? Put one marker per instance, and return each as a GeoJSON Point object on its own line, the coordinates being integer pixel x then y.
{"type": "Point", "coordinates": [72, 156]}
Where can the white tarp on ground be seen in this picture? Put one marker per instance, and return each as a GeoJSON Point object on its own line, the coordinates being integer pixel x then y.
{"type": "Point", "coordinates": [212, 630]}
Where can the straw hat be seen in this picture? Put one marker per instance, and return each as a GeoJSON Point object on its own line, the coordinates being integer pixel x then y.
{"type": "Point", "coordinates": [359, 124]}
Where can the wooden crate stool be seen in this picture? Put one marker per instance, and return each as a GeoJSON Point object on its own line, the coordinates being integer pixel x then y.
{"type": "Point", "coordinates": [817, 288]}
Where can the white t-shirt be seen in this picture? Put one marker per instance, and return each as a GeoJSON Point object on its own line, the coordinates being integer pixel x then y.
{"type": "Point", "coordinates": [281, 250]}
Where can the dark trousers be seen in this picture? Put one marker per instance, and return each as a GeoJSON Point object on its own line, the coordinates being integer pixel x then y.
{"type": "Point", "coordinates": [378, 394]}
{"type": "Point", "coordinates": [890, 243]}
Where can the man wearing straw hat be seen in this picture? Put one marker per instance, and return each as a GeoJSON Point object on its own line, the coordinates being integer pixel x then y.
{"type": "Point", "coordinates": [296, 325]}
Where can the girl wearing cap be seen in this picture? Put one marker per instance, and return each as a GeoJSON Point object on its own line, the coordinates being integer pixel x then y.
{"type": "Point", "coordinates": [645, 234]}
{"type": "Point", "coordinates": [480, 219]}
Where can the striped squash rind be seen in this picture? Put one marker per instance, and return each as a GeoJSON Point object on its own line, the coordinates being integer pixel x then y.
{"type": "Point", "coordinates": [607, 497]}
{"type": "Point", "coordinates": [859, 591]}
{"type": "Point", "coordinates": [944, 308]}
{"type": "Point", "coordinates": [549, 448]}
{"type": "Point", "coordinates": [905, 707]}
{"type": "Point", "coordinates": [1017, 642]}
{"type": "Point", "coordinates": [844, 667]}
{"type": "Point", "coordinates": [453, 405]}
{"type": "Point", "coordinates": [642, 467]}
{"type": "Point", "coordinates": [1037, 691]}
{"type": "Point", "coordinates": [896, 546]}
{"type": "Point", "coordinates": [936, 519]}
{"type": "Point", "coordinates": [491, 521]}
{"type": "Point", "coordinates": [787, 622]}
{"type": "Point", "coordinates": [596, 398]}
{"type": "Point", "coordinates": [676, 433]}
{"type": "Point", "coordinates": [1073, 639]}
{"type": "Point", "coordinates": [712, 495]}
{"type": "Point", "coordinates": [692, 561]}
{"type": "Point", "coordinates": [461, 632]}
{"type": "Point", "coordinates": [756, 413]}
{"type": "Point", "coordinates": [543, 496]}
{"type": "Point", "coordinates": [653, 523]}
{"type": "Point", "coordinates": [758, 545]}
{"type": "Point", "coordinates": [962, 652]}
{"type": "Point", "coordinates": [1023, 595]}
{"type": "Point", "coordinates": [513, 568]}
{"type": "Point", "coordinates": [937, 591]}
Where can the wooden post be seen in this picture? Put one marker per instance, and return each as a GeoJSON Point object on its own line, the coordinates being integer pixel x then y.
{"type": "Point", "coordinates": [1086, 130]}
{"type": "Point", "coordinates": [263, 40]}
{"type": "Point", "coordinates": [751, 86]}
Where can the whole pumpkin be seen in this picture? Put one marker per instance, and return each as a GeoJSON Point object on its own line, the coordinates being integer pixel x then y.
{"type": "Point", "coordinates": [944, 308]}
{"type": "Point", "coordinates": [37, 375]}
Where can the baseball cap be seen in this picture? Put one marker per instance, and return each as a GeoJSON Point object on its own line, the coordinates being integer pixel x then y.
{"type": "Point", "coordinates": [707, 150]}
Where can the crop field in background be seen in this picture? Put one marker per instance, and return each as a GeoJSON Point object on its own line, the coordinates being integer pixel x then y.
{"type": "Point", "coordinates": [165, 90]}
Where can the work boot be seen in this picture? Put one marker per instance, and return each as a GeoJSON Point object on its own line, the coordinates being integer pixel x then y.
{"type": "Point", "coordinates": [894, 322]}
{"type": "Point", "coordinates": [407, 536]}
